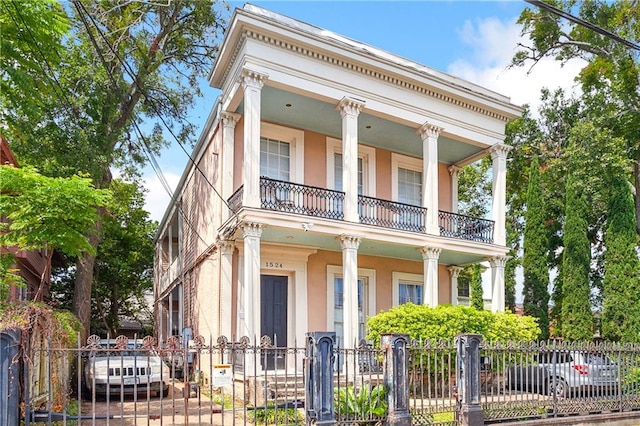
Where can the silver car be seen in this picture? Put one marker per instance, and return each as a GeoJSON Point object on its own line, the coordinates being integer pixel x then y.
{"type": "Point", "coordinates": [564, 373]}
{"type": "Point", "coordinates": [116, 369]}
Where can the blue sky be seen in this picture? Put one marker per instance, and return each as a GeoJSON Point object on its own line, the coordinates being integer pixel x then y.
{"type": "Point", "coordinates": [473, 40]}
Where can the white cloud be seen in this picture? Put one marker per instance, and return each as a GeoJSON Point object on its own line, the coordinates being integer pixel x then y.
{"type": "Point", "coordinates": [157, 199]}
{"type": "Point", "coordinates": [493, 44]}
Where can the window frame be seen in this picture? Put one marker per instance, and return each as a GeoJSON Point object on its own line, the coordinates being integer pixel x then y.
{"type": "Point", "coordinates": [368, 156]}
{"type": "Point", "coordinates": [399, 161]}
{"type": "Point", "coordinates": [295, 139]}
{"type": "Point", "coordinates": [369, 275]}
{"type": "Point", "coordinates": [398, 278]}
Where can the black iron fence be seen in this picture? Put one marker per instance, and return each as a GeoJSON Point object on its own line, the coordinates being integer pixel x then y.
{"type": "Point", "coordinates": [465, 227]}
{"type": "Point", "coordinates": [397, 382]}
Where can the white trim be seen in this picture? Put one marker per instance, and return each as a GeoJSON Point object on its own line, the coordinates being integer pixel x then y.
{"type": "Point", "coordinates": [405, 162]}
{"type": "Point", "coordinates": [405, 277]}
{"type": "Point", "coordinates": [368, 156]}
{"type": "Point", "coordinates": [368, 274]}
{"type": "Point", "coordinates": [295, 138]}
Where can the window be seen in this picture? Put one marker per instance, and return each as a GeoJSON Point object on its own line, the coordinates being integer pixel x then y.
{"type": "Point", "coordinates": [275, 159]}
{"type": "Point", "coordinates": [410, 187]}
{"type": "Point", "coordinates": [337, 167]}
{"type": "Point", "coordinates": [335, 293]}
{"type": "Point", "coordinates": [409, 293]}
{"type": "Point", "coordinates": [407, 288]}
{"type": "Point", "coordinates": [366, 167]}
{"type": "Point", "coordinates": [463, 286]}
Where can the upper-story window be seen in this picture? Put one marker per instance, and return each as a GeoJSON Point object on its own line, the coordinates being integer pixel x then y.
{"type": "Point", "coordinates": [281, 153]}
{"type": "Point", "coordinates": [409, 186]}
{"type": "Point", "coordinates": [406, 179]}
{"type": "Point", "coordinates": [366, 167]}
{"type": "Point", "coordinates": [275, 159]}
{"type": "Point", "coordinates": [337, 167]}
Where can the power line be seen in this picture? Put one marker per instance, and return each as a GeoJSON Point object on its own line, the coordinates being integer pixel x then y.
{"type": "Point", "coordinates": [550, 8]}
{"type": "Point", "coordinates": [132, 75]}
{"type": "Point", "coordinates": [146, 149]}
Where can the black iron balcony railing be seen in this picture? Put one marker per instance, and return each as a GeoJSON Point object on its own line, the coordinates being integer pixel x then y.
{"type": "Point", "coordinates": [313, 201]}
{"type": "Point", "coordinates": [235, 201]}
{"type": "Point", "coordinates": [301, 199]}
{"type": "Point", "coordinates": [465, 227]}
{"type": "Point", "coordinates": [390, 214]}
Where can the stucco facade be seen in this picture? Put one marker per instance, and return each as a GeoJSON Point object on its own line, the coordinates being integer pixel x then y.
{"type": "Point", "coordinates": [324, 188]}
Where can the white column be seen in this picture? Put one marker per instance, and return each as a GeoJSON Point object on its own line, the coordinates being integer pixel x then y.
{"type": "Point", "coordinates": [429, 134]}
{"type": "Point", "coordinates": [430, 258]}
{"type": "Point", "coordinates": [499, 157]}
{"type": "Point", "coordinates": [252, 82]}
{"type": "Point", "coordinates": [229, 121]}
{"type": "Point", "coordinates": [170, 319]}
{"type": "Point", "coordinates": [350, 244]}
{"type": "Point", "coordinates": [454, 171]}
{"type": "Point", "coordinates": [226, 285]}
{"type": "Point", "coordinates": [497, 283]}
{"type": "Point", "coordinates": [454, 273]}
{"type": "Point", "coordinates": [350, 109]}
{"type": "Point", "coordinates": [251, 233]}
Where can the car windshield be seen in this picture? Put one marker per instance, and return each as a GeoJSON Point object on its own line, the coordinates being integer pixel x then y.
{"type": "Point", "coordinates": [595, 358]}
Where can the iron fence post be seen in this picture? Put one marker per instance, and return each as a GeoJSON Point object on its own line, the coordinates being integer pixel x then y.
{"type": "Point", "coordinates": [319, 362]}
{"type": "Point", "coordinates": [468, 379]}
{"type": "Point", "coordinates": [396, 378]}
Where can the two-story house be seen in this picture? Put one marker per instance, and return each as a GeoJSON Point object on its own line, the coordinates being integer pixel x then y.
{"type": "Point", "coordinates": [323, 188]}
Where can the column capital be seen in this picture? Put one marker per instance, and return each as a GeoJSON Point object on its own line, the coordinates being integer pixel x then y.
{"type": "Point", "coordinates": [350, 241]}
{"type": "Point", "coordinates": [230, 119]}
{"type": "Point", "coordinates": [251, 229]}
{"type": "Point", "coordinates": [252, 78]}
{"type": "Point", "coordinates": [500, 151]}
{"type": "Point", "coordinates": [498, 261]}
{"type": "Point", "coordinates": [431, 253]}
{"type": "Point", "coordinates": [350, 106]}
{"type": "Point", "coordinates": [227, 246]}
{"type": "Point", "coordinates": [454, 170]}
{"type": "Point", "coordinates": [428, 130]}
{"type": "Point", "coordinates": [454, 270]}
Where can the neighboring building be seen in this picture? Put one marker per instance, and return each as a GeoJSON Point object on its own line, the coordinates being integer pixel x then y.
{"type": "Point", "coordinates": [30, 264]}
{"type": "Point", "coordinates": [324, 189]}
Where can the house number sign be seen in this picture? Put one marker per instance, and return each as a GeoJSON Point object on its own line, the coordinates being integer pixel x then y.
{"type": "Point", "coordinates": [274, 265]}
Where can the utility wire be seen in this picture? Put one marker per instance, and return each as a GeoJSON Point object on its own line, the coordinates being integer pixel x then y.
{"type": "Point", "coordinates": [148, 152]}
{"type": "Point", "coordinates": [550, 8]}
{"type": "Point", "coordinates": [133, 77]}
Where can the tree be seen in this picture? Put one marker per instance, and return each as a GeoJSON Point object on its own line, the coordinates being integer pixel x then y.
{"type": "Point", "coordinates": [31, 34]}
{"type": "Point", "coordinates": [477, 300]}
{"type": "Point", "coordinates": [124, 263]}
{"type": "Point", "coordinates": [47, 213]}
{"type": "Point", "coordinates": [612, 73]}
{"type": "Point", "coordinates": [534, 262]}
{"type": "Point", "coordinates": [621, 287]}
{"type": "Point", "coordinates": [577, 319]}
{"type": "Point", "coordinates": [122, 64]}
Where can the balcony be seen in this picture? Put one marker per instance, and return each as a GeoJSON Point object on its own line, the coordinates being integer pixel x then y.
{"type": "Point", "coordinates": [313, 201]}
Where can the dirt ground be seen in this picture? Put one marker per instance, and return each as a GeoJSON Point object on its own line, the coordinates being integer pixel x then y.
{"type": "Point", "coordinates": [152, 410]}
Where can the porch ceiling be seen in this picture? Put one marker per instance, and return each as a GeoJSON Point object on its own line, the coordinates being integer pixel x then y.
{"type": "Point", "coordinates": [294, 110]}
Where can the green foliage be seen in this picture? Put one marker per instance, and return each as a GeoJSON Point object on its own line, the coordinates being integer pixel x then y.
{"type": "Point", "coordinates": [445, 321]}
{"type": "Point", "coordinates": [9, 276]}
{"type": "Point", "coordinates": [475, 288]}
{"type": "Point", "coordinates": [366, 401]}
{"type": "Point", "coordinates": [48, 213]}
{"type": "Point", "coordinates": [536, 246]}
{"type": "Point", "coordinates": [276, 416]}
{"type": "Point", "coordinates": [577, 319]}
{"type": "Point", "coordinates": [621, 287]}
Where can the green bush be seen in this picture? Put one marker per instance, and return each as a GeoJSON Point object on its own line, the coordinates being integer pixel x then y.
{"type": "Point", "coordinates": [422, 323]}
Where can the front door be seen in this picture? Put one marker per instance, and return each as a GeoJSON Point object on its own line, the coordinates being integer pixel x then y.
{"type": "Point", "coordinates": [273, 318]}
